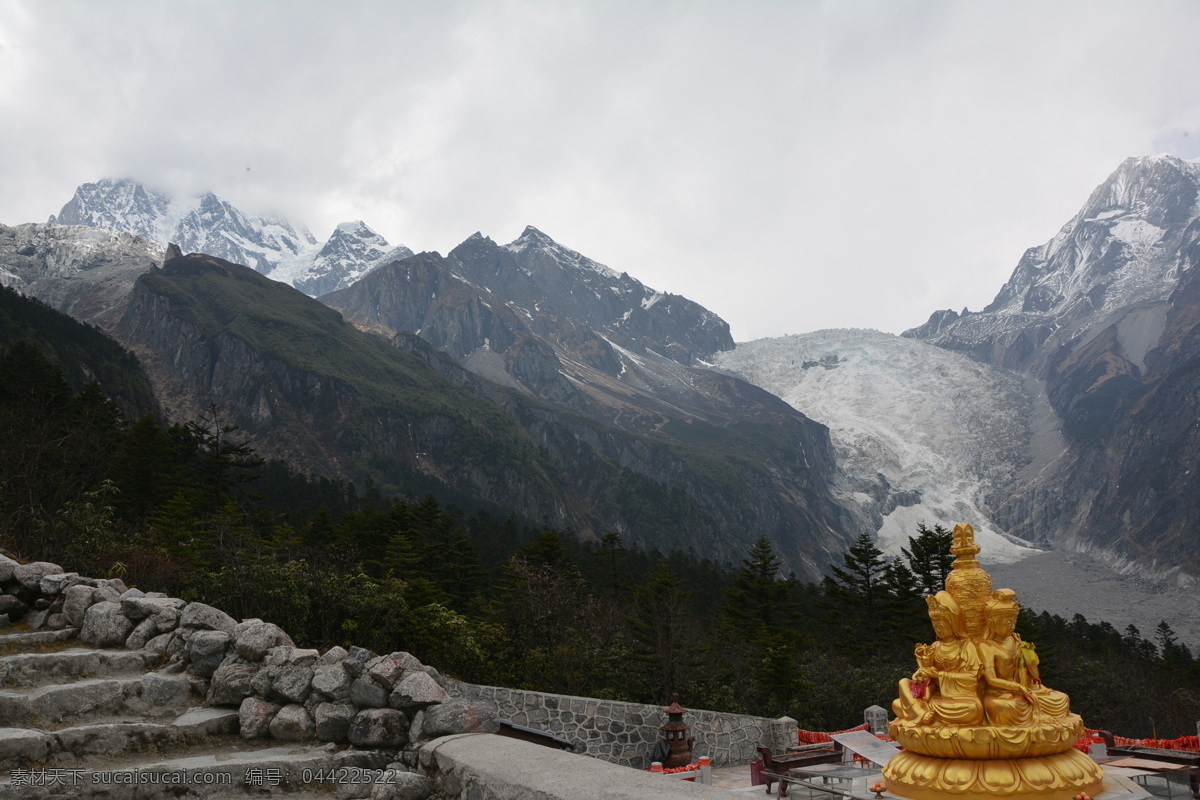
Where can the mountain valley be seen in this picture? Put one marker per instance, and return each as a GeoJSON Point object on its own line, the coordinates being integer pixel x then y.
{"type": "Point", "coordinates": [1061, 418]}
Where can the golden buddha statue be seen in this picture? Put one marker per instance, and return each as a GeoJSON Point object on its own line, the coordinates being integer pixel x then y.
{"type": "Point", "coordinates": [974, 719]}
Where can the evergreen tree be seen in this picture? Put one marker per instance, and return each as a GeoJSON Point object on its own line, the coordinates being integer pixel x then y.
{"type": "Point", "coordinates": [929, 557]}
{"type": "Point", "coordinates": [757, 601]}
{"type": "Point", "coordinates": [664, 631]}
{"type": "Point", "coordinates": [860, 582]}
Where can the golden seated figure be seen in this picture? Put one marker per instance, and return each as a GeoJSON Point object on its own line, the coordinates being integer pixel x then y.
{"type": "Point", "coordinates": [975, 719]}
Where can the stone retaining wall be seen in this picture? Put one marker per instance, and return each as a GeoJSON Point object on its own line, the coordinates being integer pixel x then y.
{"type": "Point", "coordinates": [625, 733]}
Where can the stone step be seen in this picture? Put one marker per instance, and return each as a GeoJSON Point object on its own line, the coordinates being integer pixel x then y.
{"type": "Point", "coordinates": [22, 747]}
{"type": "Point", "coordinates": [18, 640]}
{"type": "Point", "coordinates": [60, 666]}
{"type": "Point", "coordinates": [152, 695]}
{"type": "Point", "coordinates": [231, 770]}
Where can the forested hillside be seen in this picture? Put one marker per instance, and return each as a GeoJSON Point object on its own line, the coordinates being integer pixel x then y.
{"type": "Point", "coordinates": [192, 511]}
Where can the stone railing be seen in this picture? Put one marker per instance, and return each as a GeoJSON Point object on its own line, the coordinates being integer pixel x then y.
{"type": "Point", "coordinates": [625, 733]}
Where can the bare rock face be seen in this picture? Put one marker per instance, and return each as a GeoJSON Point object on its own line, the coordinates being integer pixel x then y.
{"type": "Point", "coordinates": [84, 272]}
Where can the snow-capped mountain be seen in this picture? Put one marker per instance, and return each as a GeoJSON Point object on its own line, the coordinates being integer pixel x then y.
{"type": "Point", "coordinates": [351, 252]}
{"type": "Point", "coordinates": [118, 206]}
{"type": "Point", "coordinates": [208, 224]}
{"type": "Point", "coordinates": [920, 434]}
{"type": "Point", "coordinates": [1106, 318]}
{"type": "Point", "coordinates": [1115, 262]}
{"type": "Point", "coordinates": [217, 228]}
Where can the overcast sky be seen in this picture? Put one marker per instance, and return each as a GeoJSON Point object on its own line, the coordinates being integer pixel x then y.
{"type": "Point", "coordinates": [790, 165]}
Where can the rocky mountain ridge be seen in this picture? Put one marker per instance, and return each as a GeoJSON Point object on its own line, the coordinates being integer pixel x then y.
{"type": "Point", "coordinates": [1103, 318]}
{"type": "Point", "coordinates": [208, 224]}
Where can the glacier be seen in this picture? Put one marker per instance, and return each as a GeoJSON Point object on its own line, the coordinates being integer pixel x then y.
{"type": "Point", "coordinates": [921, 434]}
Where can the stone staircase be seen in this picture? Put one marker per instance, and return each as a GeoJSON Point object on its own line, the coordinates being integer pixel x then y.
{"type": "Point", "coordinates": [78, 721]}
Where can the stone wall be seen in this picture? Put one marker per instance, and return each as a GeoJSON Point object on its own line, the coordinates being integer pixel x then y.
{"type": "Point", "coordinates": [625, 733]}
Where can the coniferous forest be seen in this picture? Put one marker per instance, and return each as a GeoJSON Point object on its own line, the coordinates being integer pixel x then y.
{"type": "Point", "coordinates": [93, 480]}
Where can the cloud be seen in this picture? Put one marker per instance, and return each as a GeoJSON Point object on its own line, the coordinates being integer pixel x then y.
{"type": "Point", "coordinates": [791, 166]}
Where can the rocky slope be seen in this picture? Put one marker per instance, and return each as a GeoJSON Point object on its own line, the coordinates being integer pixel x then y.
{"type": "Point", "coordinates": [1104, 316]}
{"type": "Point", "coordinates": [334, 400]}
{"type": "Point", "coordinates": [85, 272]}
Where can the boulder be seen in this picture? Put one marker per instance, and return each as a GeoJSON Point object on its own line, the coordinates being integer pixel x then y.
{"type": "Point", "coordinates": [160, 643]}
{"type": "Point", "coordinates": [116, 584]}
{"type": "Point", "coordinates": [30, 575]}
{"type": "Point", "coordinates": [379, 727]}
{"type": "Point", "coordinates": [356, 660]}
{"type": "Point", "coordinates": [76, 600]}
{"type": "Point", "coordinates": [254, 717]}
{"type": "Point", "coordinates": [140, 607]}
{"type": "Point", "coordinates": [293, 683]}
{"type": "Point", "coordinates": [292, 724]}
{"type": "Point", "coordinates": [254, 638]}
{"type": "Point", "coordinates": [231, 682]}
{"type": "Point", "coordinates": [333, 721]}
{"type": "Point", "coordinates": [54, 584]}
{"type": "Point", "coordinates": [12, 606]}
{"type": "Point", "coordinates": [397, 785]}
{"type": "Point", "coordinates": [366, 694]}
{"type": "Point", "coordinates": [417, 689]}
{"type": "Point", "coordinates": [204, 617]}
{"type": "Point", "coordinates": [143, 632]}
{"type": "Point", "coordinates": [206, 650]}
{"type": "Point", "coordinates": [7, 567]}
{"type": "Point", "coordinates": [105, 626]}
{"type": "Point", "coordinates": [387, 670]}
{"type": "Point", "coordinates": [332, 681]}
{"type": "Point", "coordinates": [334, 655]}
{"type": "Point", "coordinates": [454, 717]}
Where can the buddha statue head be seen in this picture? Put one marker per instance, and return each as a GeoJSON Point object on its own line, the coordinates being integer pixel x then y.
{"type": "Point", "coordinates": [944, 614]}
{"type": "Point", "coordinates": [1002, 612]}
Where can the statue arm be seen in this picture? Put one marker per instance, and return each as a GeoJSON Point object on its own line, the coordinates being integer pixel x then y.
{"type": "Point", "coordinates": [991, 678]}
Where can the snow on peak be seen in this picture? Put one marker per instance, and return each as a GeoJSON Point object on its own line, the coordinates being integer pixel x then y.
{"type": "Point", "coordinates": [533, 239]}
{"type": "Point", "coordinates": [354, 226]}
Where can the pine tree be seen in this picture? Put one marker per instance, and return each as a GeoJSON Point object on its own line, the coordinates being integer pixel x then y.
{"type": "Point", "coordinates": [860, 582]}
{"type": "Point", "coordinates": [757, 601]}
{"type": "Point", "coordinates": [929, 557]}
{"type": "Point", "coordinates": [664, 632]}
